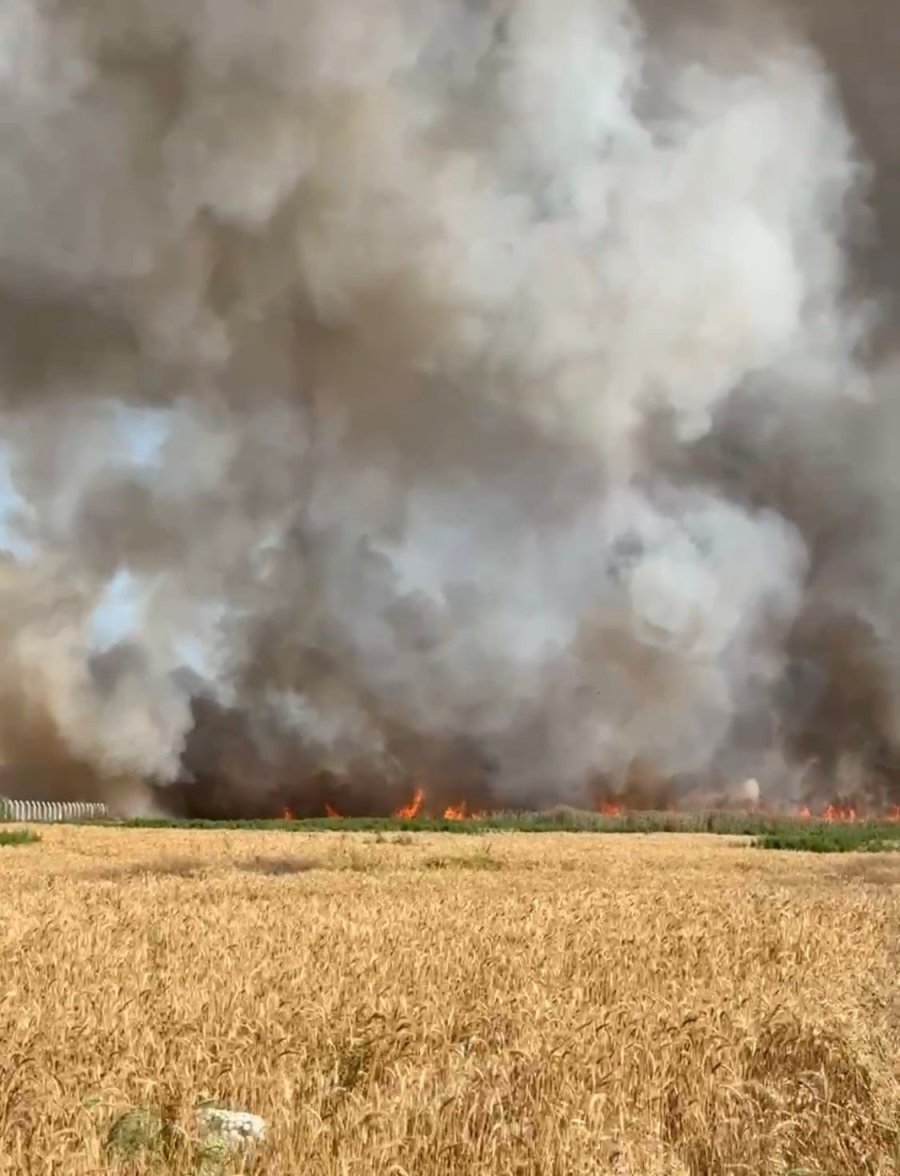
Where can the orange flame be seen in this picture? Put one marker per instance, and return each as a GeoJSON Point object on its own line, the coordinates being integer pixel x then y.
{"type": "Point", "coordinates": [609, 808]}
{"type": "Point", "coordinates": [459, 812]}
{"type": "Point", "coordinates": [842, 813]}
{"type": "Point", "coordinates": [330, 811]}
{"type": "Point", "coordinates": [894, 814]}
{"type": "Point", "coordinates": [287, 815]}
{"type": "Point", "coordinates": [805, 813]}
{"type": "Point", "coordinates": [408, 812]}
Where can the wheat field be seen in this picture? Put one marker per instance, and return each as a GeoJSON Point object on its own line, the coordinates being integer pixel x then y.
{"type": "Point", "coordinates": [431, 1004]}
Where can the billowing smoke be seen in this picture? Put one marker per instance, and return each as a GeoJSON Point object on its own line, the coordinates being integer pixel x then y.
{"type": "Point", "coordinates": [495, 395]}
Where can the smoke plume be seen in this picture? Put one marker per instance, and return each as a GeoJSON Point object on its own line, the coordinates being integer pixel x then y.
{"type": "Point", "coordinates": [495, 396]}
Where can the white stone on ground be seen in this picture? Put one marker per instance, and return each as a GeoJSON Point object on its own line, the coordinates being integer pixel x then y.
{"type": "Point", "coordinates": [234, 1126]}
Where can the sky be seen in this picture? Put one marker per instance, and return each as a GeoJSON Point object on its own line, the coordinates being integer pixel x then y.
{"type": "Point", "coordinates": [143, 433]}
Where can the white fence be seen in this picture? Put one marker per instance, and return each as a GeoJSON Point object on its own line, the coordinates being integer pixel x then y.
{"type": "Point", "coordinates": [50, 810]}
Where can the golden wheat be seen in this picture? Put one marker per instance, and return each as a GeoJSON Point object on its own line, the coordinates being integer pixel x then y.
{"type": "Point", "coordinates": [515, 1004]}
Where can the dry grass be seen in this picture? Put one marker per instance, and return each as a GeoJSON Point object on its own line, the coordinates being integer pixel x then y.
{"type": "Point", "coordinates": [641, 1005]}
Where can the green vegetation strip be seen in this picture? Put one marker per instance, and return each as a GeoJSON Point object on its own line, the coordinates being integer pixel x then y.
{"type": "Point", "coordinates": [563, 820]}
{"type": "Point", "coordinates": [859, 837]}
{"type": "Point", "coordinates": [18, 837]}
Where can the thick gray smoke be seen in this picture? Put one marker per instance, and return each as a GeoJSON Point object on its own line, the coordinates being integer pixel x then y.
{"type": "Point", "coordinates": [489, 394]}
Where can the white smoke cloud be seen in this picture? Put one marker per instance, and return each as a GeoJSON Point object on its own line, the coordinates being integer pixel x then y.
{"type": "Point", "coordinates": [433, 305]}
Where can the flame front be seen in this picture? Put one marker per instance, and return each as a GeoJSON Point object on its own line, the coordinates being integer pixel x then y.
{"type": "Point", "coordinates": [459, 812]}
{"type": "Point", "coordinates": [408, 812]}
{"type": "Point", "coordinates": [609, 808]}
{"type": "Point", "coordinates": [837, 812]}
